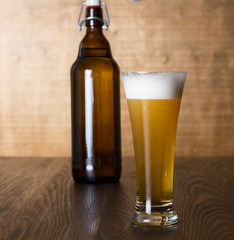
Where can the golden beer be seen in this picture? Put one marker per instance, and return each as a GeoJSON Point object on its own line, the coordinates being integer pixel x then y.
{"type": "Point", "coordinates": [154, 102]}
{"type": "Point", "coordinates": [154, 123]}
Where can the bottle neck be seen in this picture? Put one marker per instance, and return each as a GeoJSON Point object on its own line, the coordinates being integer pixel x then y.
{"type": "Point", "coordinates": [94, 25]}
{"type": "Point", "coordinates": [94, 43]}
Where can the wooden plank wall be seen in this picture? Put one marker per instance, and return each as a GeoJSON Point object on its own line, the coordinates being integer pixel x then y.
{"type": "Point", "coordinates": [39, 42]}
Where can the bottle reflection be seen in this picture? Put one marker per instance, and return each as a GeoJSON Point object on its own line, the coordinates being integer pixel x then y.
{"type": "Point", "coordinates": [89, 121]}
{"type": "Point", "coordinates": [103, 210]}
{"type": "Point", "coordinates": [87, 208]}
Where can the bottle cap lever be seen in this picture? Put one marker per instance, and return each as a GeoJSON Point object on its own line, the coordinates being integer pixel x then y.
{"type": "Point", "coordinates": [105, 22]}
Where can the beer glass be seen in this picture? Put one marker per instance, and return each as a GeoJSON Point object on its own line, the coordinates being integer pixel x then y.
{"type": "Point", "coordinates": [154, 103]}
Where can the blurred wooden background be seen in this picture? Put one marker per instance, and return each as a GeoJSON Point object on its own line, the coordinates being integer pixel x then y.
{"type": "Point", "coordinates": [39, 41]}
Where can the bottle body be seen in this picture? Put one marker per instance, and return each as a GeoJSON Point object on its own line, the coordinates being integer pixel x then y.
{"type": "Point", "coordinates": [95, 102]}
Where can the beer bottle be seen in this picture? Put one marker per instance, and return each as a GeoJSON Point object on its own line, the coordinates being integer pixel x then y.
{"type": "Point", "coordinates": [95, 103]}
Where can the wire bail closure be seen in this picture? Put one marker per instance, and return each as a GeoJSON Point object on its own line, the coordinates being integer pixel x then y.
{"type": "Point", "coordinates": [105, 22]}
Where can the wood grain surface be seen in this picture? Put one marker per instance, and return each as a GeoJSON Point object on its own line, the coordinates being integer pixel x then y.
{"type": "Point", "coordinates": [39, 42]}
{"type": "Point", "coordinates": [38, 200]}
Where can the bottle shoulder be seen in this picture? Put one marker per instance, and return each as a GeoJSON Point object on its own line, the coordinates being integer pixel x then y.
{"type": "Point", "coordinates": [93, 40]}
{"type": "Point", "coordinates": [95, 53]}
{"type": "Point", "coordinates": [95, 63]}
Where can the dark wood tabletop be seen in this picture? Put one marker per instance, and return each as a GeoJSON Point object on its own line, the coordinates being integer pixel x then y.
{"type": "Point", "coordinates": [39, 200]}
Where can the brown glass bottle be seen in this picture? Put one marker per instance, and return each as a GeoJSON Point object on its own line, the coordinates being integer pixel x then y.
{"type": "Point", "coordinates": [95, 102]}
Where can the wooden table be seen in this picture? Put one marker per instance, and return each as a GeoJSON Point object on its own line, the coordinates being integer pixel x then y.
{"type": "Point", "coordinates": [38, 200]}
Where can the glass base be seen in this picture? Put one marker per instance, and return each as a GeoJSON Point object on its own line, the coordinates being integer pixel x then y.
{"type": "Point", "coordinates": [158, 216]}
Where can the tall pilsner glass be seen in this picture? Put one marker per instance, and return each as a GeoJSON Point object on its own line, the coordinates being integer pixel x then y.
{"type": "Point", "coordinates": [154, 103]}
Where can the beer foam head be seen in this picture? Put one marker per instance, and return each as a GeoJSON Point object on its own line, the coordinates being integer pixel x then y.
{"type": "Point", "coordinates": [153, 85]}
